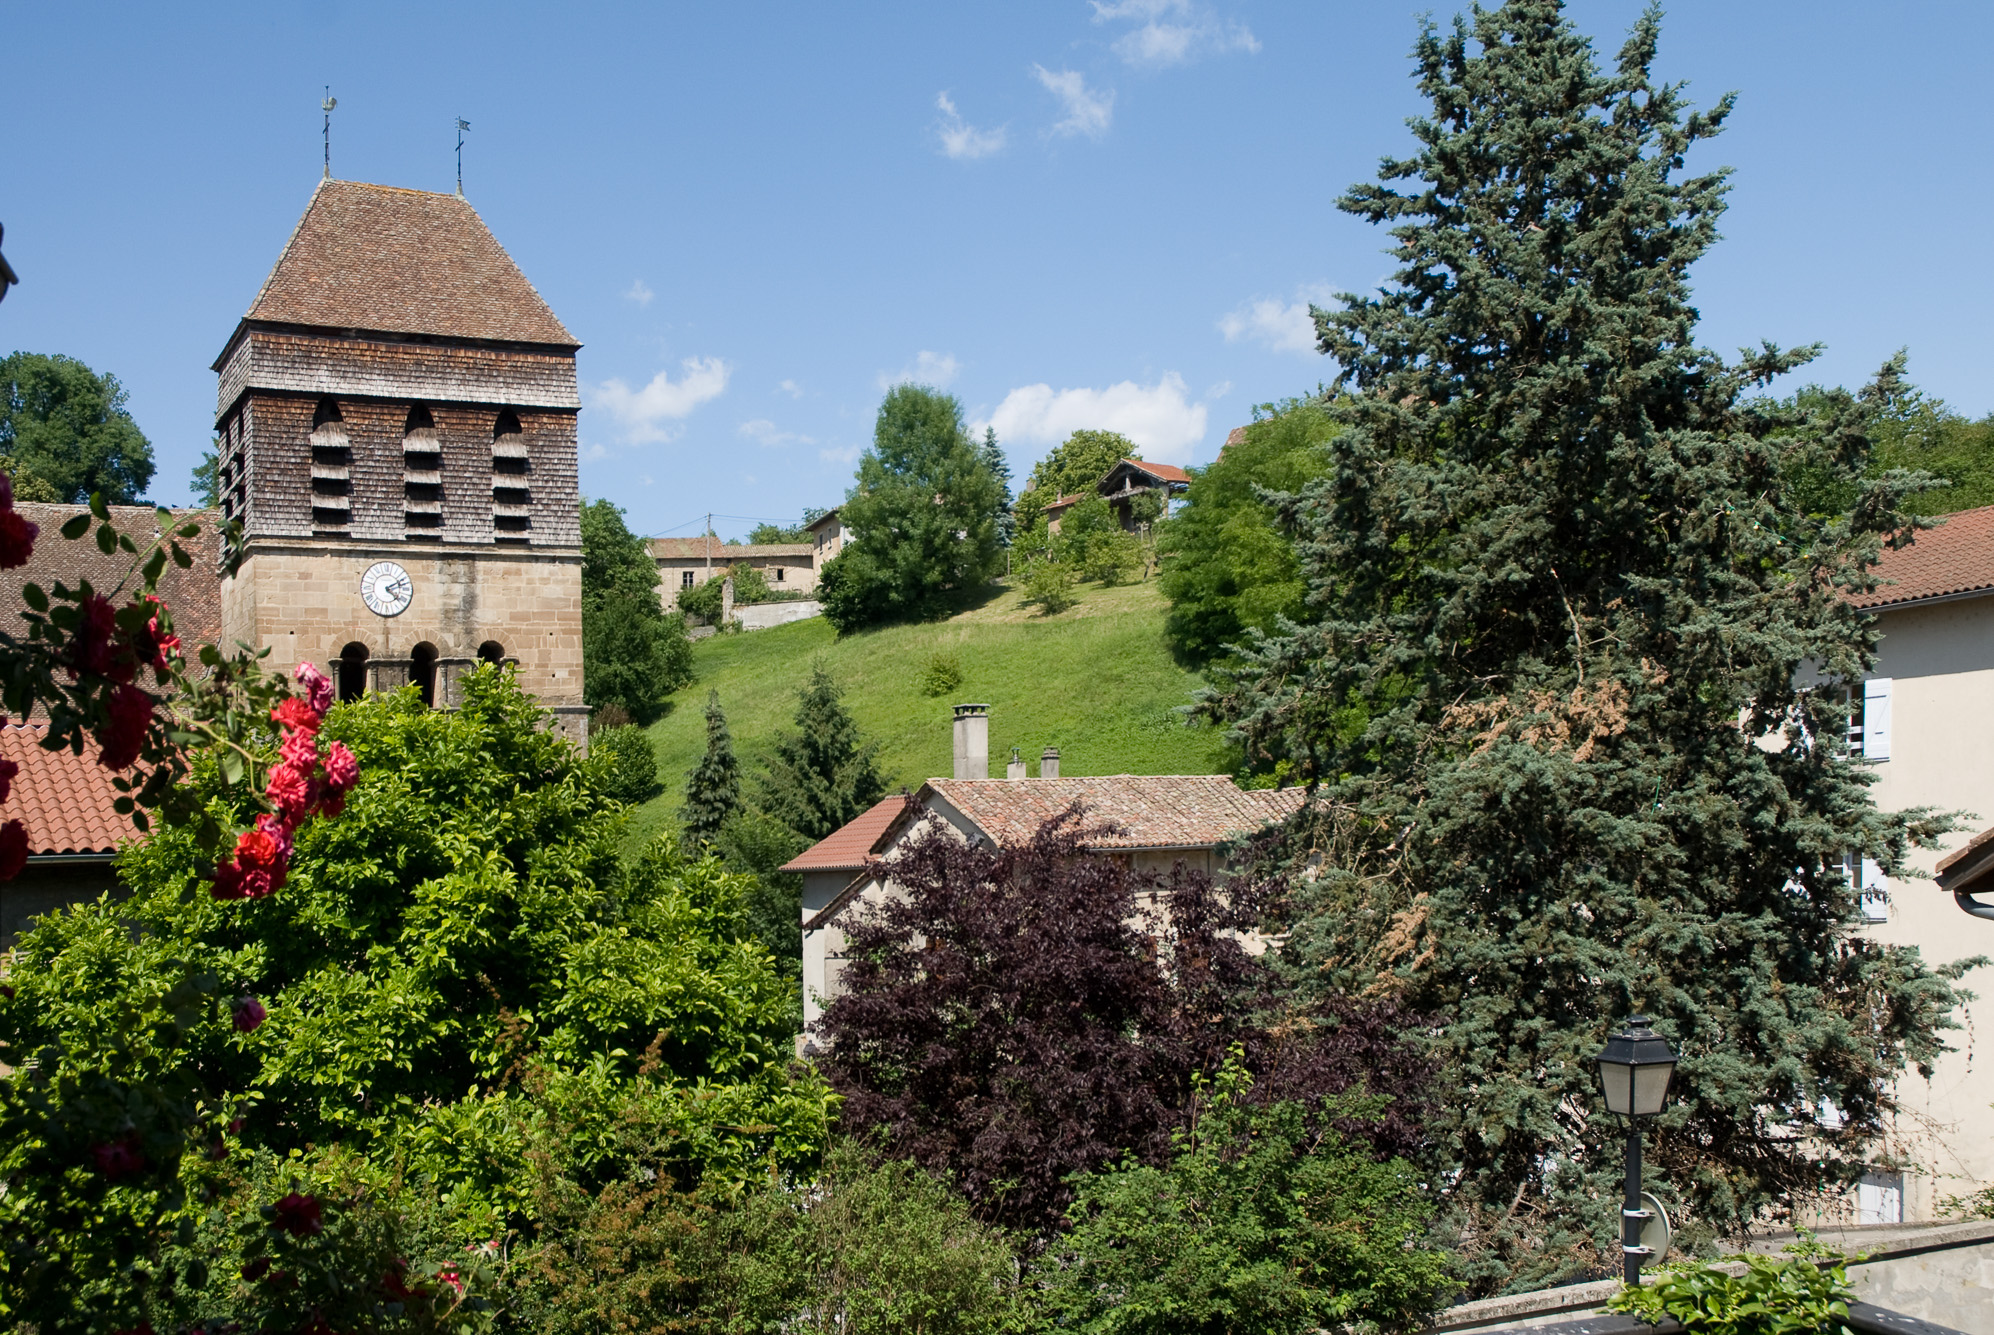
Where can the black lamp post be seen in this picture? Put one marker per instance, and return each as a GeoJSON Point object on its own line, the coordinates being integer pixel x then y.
{"type": "Point", "coordinates": [1634, 1074]}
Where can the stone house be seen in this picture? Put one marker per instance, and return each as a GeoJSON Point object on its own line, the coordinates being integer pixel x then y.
{"type": "Point", "coordinates": [1121, 485]}
{"type": "Point", "coordinates": [1160, 821]}
{"type": "Point", "coordinates": [827, 536]}
{"type": "Point", "coordinates": [687, 563]}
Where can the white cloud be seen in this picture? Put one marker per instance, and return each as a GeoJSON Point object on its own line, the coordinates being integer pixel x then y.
{"type": "Point", "coordinates": [1088, 112]}
{"type": "Point", "coordinates": [639, 293]}
{"type": "Point", "coordinates": [643, 413]}
{"type": "Point", "coordinates": [1160, 417]}
{"type": "Point", "coordinates": [764, 432]}
{"type": "Point", "coordinates": [595, 452]}
{"type": "Point", "coordinates": [930, 368]}
{"type": "Point", "coordinates": [791, 388]}
{"type": "Point", "coordinates": [1172, 32]}
{"type": "Point", "coordinates": [848, 454]}
{"type": "Point", "coordinates": [1281, 326]}
{"type": "Point", "coordinates": [961, 140]}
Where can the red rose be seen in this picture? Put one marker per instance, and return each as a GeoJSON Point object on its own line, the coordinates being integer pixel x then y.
{"type": "Point", "coordinates": [332, 804]}
{"type": "Point", "coordinates": [90, 650]}
{"type": "Point", "coordinates": [342, 770]}
{"type": "Point", "coordinates": [123, 737]}
{"type": "Point", "coordinates": [256, 1269]}
{"type": "Point", "coordinates": [299, 748]}
{"type": "Point", "coordinates": [118, 1157]}
{"type": "Point", "coordinates": [17, 539]}
{"type": "Point", "coordinates": [8, 769]}
{"type": "Point", "coordinates": [290, 789]}
{"type": "Point", "coordinates": [249, 1013]}
{"type": "Point", "coordinates": [228, 881]}
{"type": "Point", "coordinates": [299, 1215]}
{"type": "Point", "coordinates": [13, 849]}
{"type": "Point", "coordinates": [294, 712]}
{"type": "Point", "coordinates": [280, 833]}
{"type": "Point", "coordinates": [318, 686]}
{"type": "Point", "coordinates": [255, 850]}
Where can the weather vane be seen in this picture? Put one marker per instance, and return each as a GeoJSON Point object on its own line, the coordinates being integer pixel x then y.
{"type": "Point", "coordinates": [327, 106]}
{"type": "Point", "coordinates": [462, 125]}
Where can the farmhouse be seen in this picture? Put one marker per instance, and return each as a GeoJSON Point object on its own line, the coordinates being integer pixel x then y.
{"type": "Point", "coordinates": [687, 563]}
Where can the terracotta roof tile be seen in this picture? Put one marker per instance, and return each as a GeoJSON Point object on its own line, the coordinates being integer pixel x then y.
{"type": "Point", "coordinates": [194, 594]}
{"type": "Point", "coordinates": [852, 845]}
{"type": "Point", "coordinates": [1161, 472]}
{"type": "Point", "coordinates": [64, 799]}
{"type": "Point", "coordinates": [1154, 811]}
{"type": "Point", "coordinates": [379, 258]}
{"type": "Point", "coordinates": [679, 549]}
{"type": "Point", "coordinates": [1955, 558]}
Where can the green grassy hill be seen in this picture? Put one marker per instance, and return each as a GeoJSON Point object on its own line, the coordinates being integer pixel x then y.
{"type": "Point", "coordinates": [1096, 681]}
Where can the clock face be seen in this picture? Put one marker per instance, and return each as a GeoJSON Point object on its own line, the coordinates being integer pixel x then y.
{"type": "Point", "coordinates": [386, 589]}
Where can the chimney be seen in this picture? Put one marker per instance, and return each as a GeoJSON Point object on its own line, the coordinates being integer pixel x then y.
{"type": "Point", "coordinates": [972, 741]}
{"type": "Point", "coordinates": [1016, 769]}
{"type": "Point", "coordinates": [1049, 763]}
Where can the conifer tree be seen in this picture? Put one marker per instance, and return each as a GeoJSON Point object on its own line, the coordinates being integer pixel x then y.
{"type": "Point", "coordinates": [1000, 468]}
{"type": "Point", "coordinates": [1551, 691]}
{"type": "Point", "coordinates": [713, 792]}
{"type": "Point", "coordinates": [824, 773]}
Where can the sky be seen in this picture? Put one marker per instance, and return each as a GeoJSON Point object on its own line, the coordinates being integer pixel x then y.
{"type": "Point", "coordinates": [758, 217]}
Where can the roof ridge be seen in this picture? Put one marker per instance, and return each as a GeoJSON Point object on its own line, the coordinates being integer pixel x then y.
{"type": "Point", "coordinates": [289, 242]}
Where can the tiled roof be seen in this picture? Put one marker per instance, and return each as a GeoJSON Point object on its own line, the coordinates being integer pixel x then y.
{"type": "Point", "coordinates": [194, 594]}
{"type": "Point", "coordinates": [64, 799]}
{"type": "Point", "coordinates": [1955, 558]}
{"type": "Point", "coordinates": [1065, 501]}
{"type": "Point", "coordinates": [1161, 472]}
{"type": "Point", "coordinates": [1153, 811]}
{"type": "Point", "coordinates": [680, 549]}
{"type": "Point", "coordinates": [852, 845]}
{"type": "Point", "coordinates": [379, 258]}
{"type": "Point", "coordinates": [1233, 437]}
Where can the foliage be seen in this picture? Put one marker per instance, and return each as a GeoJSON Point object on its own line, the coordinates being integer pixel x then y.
{"type": "Point", "coordinates": [1265, 1219]}
{"type": "Point", "coordinates": [63, 423]}
{"type": "Point", "coordinates": [770, 534]}
{"type": "Point", "coordinates": [1229, 566]}
{"type": "Point", "coordinates": [1000, 468]}
{"type": "Point", "coordinates": [1048, 585]}
{"type": "Point", "coordinates": [206, 481]}
{"type": "Point", "coordinates": [466, 921]}
{"type": "Point", "coordinates": [30, 488]}
{"type": "Point", "coordinates": [712, 791]}
{"type": "Point", "coordinates": [942, 672]}
{"type": "Point", "coordinates": [704, 600]}
{"type": "Point", "coordinates": [1016, 1016]}
{"type": "Point", "coordinates": [869, 1246]}
{"type": "Point", "coordinates": [1557, 596]}
{"type": "Point", "coordinates": [1910, 431]}
{"type": "Point", "coordinates": [1073, 467]}
{"type": "Point", "coordinates": [756, 844]}
{"type": "Point", "coordinates": [1092, 541]}
{"type": "Point", "coordinates": [634, 655]}
{"type": "Point", "coordinates": [1805, 1291]}
{"type": "Point", "coordinates": [631, 760]}
{"type": "Point", "coordinates": [826, 772]}
{"type": "Point", "coordinates": [923, 518]}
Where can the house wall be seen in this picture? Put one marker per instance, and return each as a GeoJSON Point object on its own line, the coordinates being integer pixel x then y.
{"type": "Point", "coordinates": [1939, 660]}
{"type": "Point", "coordinates": [783, 573]}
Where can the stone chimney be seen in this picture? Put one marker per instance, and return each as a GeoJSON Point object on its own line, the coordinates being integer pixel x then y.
{"type": "Point", "coordinates": [972, 741]}
{"type": "Point", "coordinates": [1016, 769]}
{"type": "Point", "coordinates": [1049, 763]}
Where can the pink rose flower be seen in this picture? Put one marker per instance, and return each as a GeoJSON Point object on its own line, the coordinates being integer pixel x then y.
{"type": "Point", "coordinates": [318, 687]}
{"type": "Point", "coordinates": [342, 770]}
{"type": "Point", "coordinates": [299, 1215]}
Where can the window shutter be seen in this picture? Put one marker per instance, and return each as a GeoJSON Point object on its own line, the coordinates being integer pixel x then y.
{"type": "Point", "coordinates": [1876, 719]}
{"type": "Point", "coordinates": [1875, 893]}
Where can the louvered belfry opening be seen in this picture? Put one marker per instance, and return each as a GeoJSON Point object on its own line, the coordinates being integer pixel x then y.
{"type": "Point", "coordinates": [512, 502]}
{"type": "Point", "coordinates": [422, 475]}
{"type": "Point", "coordinates": [332, 472]}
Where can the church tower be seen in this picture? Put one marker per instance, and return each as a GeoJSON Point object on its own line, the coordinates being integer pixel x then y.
{"type": "Point", "coordinates": [396, 418]}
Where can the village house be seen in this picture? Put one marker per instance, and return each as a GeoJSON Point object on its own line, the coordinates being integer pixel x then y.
{"type": "Point", "coordinates": [1121, 485]}
{"type": "Point", "coordinates": [686, 563]}
{"type": "Point", "coordinates": [1926, 727]}
{"type": "Point", "coordinates": [1157, 822]}
{"type": "Point", "coordinates": [827, 536]}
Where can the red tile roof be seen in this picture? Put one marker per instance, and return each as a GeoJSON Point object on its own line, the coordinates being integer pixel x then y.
{"type": "Point", "coordinates": [375, 257]}
{"type": "Point", "coordinates": [194, 594]}
{"type": "Point", "coordinates": [1153, 811]}
{"type": "Point", "coordinates": [852, 845]}
{"type": "Point", "coordinates": [1162, 472]}
{"type": "Point", "coordinates": [1955, 558]}
{"type": "Point", "coordinates": [1065, 502]}
{"type": "Point", "coordinates": [64, 799]}
{"type": "Point", "coordinates": [680, 549]}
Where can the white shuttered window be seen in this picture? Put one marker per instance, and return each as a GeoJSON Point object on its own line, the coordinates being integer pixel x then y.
{"type": "Point", "coordinates": [1876, 719]}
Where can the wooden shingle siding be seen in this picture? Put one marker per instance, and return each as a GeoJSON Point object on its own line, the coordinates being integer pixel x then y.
{"type": "Point", "coordinates": [357, 366]}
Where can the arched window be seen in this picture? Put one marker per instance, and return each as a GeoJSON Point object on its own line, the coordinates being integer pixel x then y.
{"type": "Point", "coordinates": [422, 474]}
{"type": "Point", "coordinates": [512, 503]}
{"type": "Point", "coordinates": [332, 470]}
{"type": "Point", "coordinates": [491, 651]}
{"type": "Point", "coordinates": [422, 668]}
{"type": "Point", "coordinates": [353, 671]}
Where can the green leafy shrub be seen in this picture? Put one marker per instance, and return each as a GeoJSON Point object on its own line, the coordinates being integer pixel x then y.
{"type": "Point", "coordinates": [1049, 586]}
{"type": "Point", "coordinates": [942, 673]}
{"type": "Point", "coordinates": [631, 761]}
{"type": "Point", "coordinates": [702, 600]}
{"type": "Point", "coordinates": [1265, 1220]}
{"type": "Point", "coordinates": [1804, 1292]}
{"type": "Point", "coordinates": [1093, 542]}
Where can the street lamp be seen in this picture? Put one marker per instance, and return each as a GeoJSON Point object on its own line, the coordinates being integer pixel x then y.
{"type": "Point", "coordinates": [1635, 1069]}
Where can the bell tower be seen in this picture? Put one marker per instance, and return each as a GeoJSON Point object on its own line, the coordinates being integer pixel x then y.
{"type": "Point", "coordinates": [396, 422]}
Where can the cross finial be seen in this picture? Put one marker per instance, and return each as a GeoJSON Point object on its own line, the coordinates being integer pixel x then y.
{"type": "Point", "coordinates": [462, 125]}
{"type": "Point", "coordinates": [327, 106]}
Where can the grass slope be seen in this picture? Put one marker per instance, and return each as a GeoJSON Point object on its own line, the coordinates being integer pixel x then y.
{"type": "Point", "coordinates": [1096, 681]}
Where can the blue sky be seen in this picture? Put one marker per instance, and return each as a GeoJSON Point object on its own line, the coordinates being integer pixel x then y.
{"type": "Point", "coordinates": [1069, 214]}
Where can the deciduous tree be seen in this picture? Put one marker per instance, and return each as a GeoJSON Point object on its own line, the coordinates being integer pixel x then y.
{"type": "Point", "coordinates": [633, 653]}
{"type": "Point", "coordinates": [65, 424]}
{"type": "Point", "coordinates": [1072, 467]}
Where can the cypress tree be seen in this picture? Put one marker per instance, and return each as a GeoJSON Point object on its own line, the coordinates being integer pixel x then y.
{"type": "Point", "coordinates": [713, 792]}
{"type": "Point", "coordinates": [1000, 468]}
{"type": "Point", "coordinates": [824, 773]}
{"type": "Point", "coordinates": [1568, 648]}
